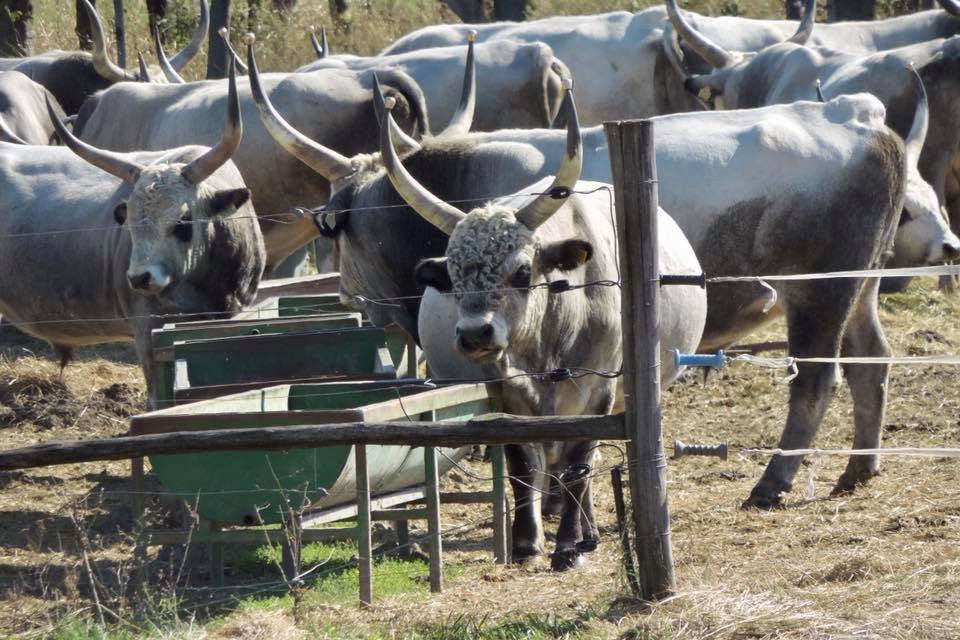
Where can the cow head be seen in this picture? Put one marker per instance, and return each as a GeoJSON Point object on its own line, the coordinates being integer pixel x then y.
{"type": "Point", "coordinates": [726, 64]}
{"type": "Point", "coordinates": [923, 235]}
{"type": "Point", "coordinates": [179, 221]}
{"type": "Point", "coordinates": [495, 256]}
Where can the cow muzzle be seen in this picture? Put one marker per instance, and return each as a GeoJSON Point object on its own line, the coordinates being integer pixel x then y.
{"type": "Point", "coordinates": [148, 282]}
{"type": "Point", "coordinates": [478, 342]}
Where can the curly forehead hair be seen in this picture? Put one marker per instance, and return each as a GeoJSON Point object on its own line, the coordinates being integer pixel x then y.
{"type": "Point", "coordinates": [480, 245]}
{"type": "Point", "coordinates": [153, 191]}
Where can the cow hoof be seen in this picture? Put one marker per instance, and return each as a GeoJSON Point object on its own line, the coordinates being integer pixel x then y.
{"type": "Point", "coordinates": [587, 545]}
{"type": "Point", "coordinates": [566, 559]}
{"type": "Point", "coordinates": [850, 480]}
{"type": "Point", "coordinates": [761, 500]}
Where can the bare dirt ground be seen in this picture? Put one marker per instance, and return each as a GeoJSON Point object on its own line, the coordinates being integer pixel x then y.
{"type": "Point", "coordinates": [883, 562]}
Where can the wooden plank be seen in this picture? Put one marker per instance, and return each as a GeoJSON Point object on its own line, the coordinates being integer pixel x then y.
{"type": "Point", "coordinates": [315, 284]}
{"type": "Point", "coordinates": [467, 497]}
{"type": "Point", "coordinates": [364, 541]}
{"type": "Point", "coordinates": [492, 428]}
{"type": "Point", "coordinates": [243, 536]}
{"type": "Point", "coordinates": [434, 543]}
{"type": "Point", "coordinates": [633, 161]}
{"type": "Point", "coordinates": [344, 512]}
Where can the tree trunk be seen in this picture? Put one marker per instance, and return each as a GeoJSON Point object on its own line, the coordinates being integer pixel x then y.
{"type": "Point", "coordinates": [156, 12]}
{"type": "Point", "coordinates": [515, 10]}
{"type": "Point", "coordinates": [217, 50]}
{"type": "Point", "coordinates": [284, 5]}
{"type": "Point", "coordinates": [793, 9]}
{"type": "Point", "coordinates": [467, 10]}
{"type": "Point", "coordinates": [16, 33]}
{"type": "Point", "coordinates": [341, 14]}
{"type": "Point", "coordinates": [843, 10]}
{"type": "Point", "coordinates": [83, 26]}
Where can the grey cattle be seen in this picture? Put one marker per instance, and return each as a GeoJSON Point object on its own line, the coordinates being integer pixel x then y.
{"type": "Point", "coordinates": [98, 246]}
{"type": "Point", "coordinates": [23, 110]}
{"type": "Point", "coordinates": [799, 188]}
{"type": "Point", "coordinates": [496, 254]}
{"type": "Point", "coordinates": [332, 105]}
{"type": "Point", "coordinates": [73, 76]}
{"type": "Point", "coordinates": [519, 84]}
{"type": "Point", "coordinates": [618, 60]}
{"type": "Point", "coordinates": [787, 72]}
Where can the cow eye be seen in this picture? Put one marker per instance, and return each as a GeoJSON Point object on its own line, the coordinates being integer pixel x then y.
{"type": "Point", "coordinates": [520, 278]}
{"type": "Point", "coordinates": [904, 218]}
{"type": "Point", "coordinates": [183, 230]}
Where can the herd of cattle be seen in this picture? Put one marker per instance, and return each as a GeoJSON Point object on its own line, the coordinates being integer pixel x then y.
{"type": "Point", "coordinates": [175, 198]}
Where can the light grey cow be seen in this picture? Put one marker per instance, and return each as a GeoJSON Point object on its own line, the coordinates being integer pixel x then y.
{"type": "Point", "coordinates": [97, 246]}
{"type": "Point", "coordinates": [619, 62]}
{"type": "Point", "coordinates": [23, 110]}
{"type": "Point", "coordinates": [331, 105]}
{"type": "Point", "coordinates": [498, 262]}
{"type": "Point", "coordinates": [787, 72]}
{"type": "Point", "coordinates": [519, 84]}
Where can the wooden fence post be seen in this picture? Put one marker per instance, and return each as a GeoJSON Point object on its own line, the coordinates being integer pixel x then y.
{"type": "Point", "coordinates": [634, 176]}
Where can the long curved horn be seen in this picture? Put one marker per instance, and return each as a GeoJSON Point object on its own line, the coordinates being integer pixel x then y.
{"type": "Point", "coordinates": [434, 210]}
{"type": "Point", "coordinates": [951, 6]}
{"type": "Point", "coordinates": [921, 119]}
{"type": "Point", "coordinates": [101, 59]}
{"type": "Point", "coordinates": [320, 47]}
{"type": "Point", "coordinates": [144, 72]}
{"type": "Point", "coordinates": [204, 166]}
{"type": "Point", "coordinates": [805, 30]}
{"type": "Point", "coordinates": [713, 53]}
{"type": "Point", "coordinates": [819, 88]}
{"type": "Point", "coordinates": [165, 66]}
{"type": "Point", "coordinates": [225, 34]}
{"type": "Point", "coordinates": [111, 162]}
{"type": "Point", "coordinates": [404, 144]}
{"type": "Point", "coordinates": [327, 162]}
{"type": "Point", "coordinates": [7, 134]}
{"type": "Point", "coordinates": [189, 52]}
{"type": "Point", "coordinates": [462, 118]}
{"type": "Point", "coordinates": [539, 211]}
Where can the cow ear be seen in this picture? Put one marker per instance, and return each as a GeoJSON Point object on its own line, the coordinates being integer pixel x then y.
{"type": "Point", "coordinates": [433, 272]}
{"type": "Point", "coordinates": [566, 255]}
{"type": "Point", "coordinates": [228, 201]}
{"type": "Point", "coordinates": [120, 213]}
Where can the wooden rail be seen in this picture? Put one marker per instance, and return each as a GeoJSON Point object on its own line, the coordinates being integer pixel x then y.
{"type": "Point", "coordinates": [490, 429]}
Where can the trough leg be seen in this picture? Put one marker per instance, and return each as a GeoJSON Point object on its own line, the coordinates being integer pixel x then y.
{"type": "Point", "coordinates": [813, 330]}
{"type": "Point", "coordinates": [868, 388]}
{"type": "Point", "coordinates": [364, 542]}
{"type": "Point", "coordinates": [435, 545]}
{"type": "Point", "coordinates": [499, 504]}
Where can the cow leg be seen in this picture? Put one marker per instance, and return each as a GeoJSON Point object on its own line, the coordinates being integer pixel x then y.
{"type": "Point", "coordinates": [575, 484]}
{"type": "Point", "coordinates": [526, 463]}
{"type": "Point", "coordinates": [815, 323]}
{"type": "Point", "coordinates": [553, 502]}
{"type": "Point", "coordinates": [868, 388]}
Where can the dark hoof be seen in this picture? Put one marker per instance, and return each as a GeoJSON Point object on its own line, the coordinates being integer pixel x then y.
{"type": "Point", "coordinates": [762, 501]}
{"type": "Point", "coordinates": [566, 560]}
{"type": "Point", "coordinates": [850, 480]}
{"type": "Point", "coordinates": [588, 545]}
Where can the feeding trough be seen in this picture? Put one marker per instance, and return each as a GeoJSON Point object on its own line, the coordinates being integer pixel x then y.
{"type": "Point", "coordinates": [230, 490]}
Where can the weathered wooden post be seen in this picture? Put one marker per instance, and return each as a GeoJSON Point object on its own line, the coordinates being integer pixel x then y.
{"type": "Point", "coordinates": [634, 176]}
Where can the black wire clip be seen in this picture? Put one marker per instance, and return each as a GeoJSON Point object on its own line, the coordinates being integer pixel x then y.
{"type": "Point", "coordinates": [692, 279]}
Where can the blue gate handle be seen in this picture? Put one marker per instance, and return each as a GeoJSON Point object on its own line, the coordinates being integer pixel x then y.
{"type": "Point", "coordinates": [715, 360]}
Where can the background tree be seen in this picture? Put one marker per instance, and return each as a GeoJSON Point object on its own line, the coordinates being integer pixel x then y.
{"type": "Point", "coordinates": [842, 10]}
{"type": "Point", "coordinates": [156, 12]}
{"type": "Point", "coordinates": [216, 49]}
{"type": "Point", "coordinates": [16, 33]}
